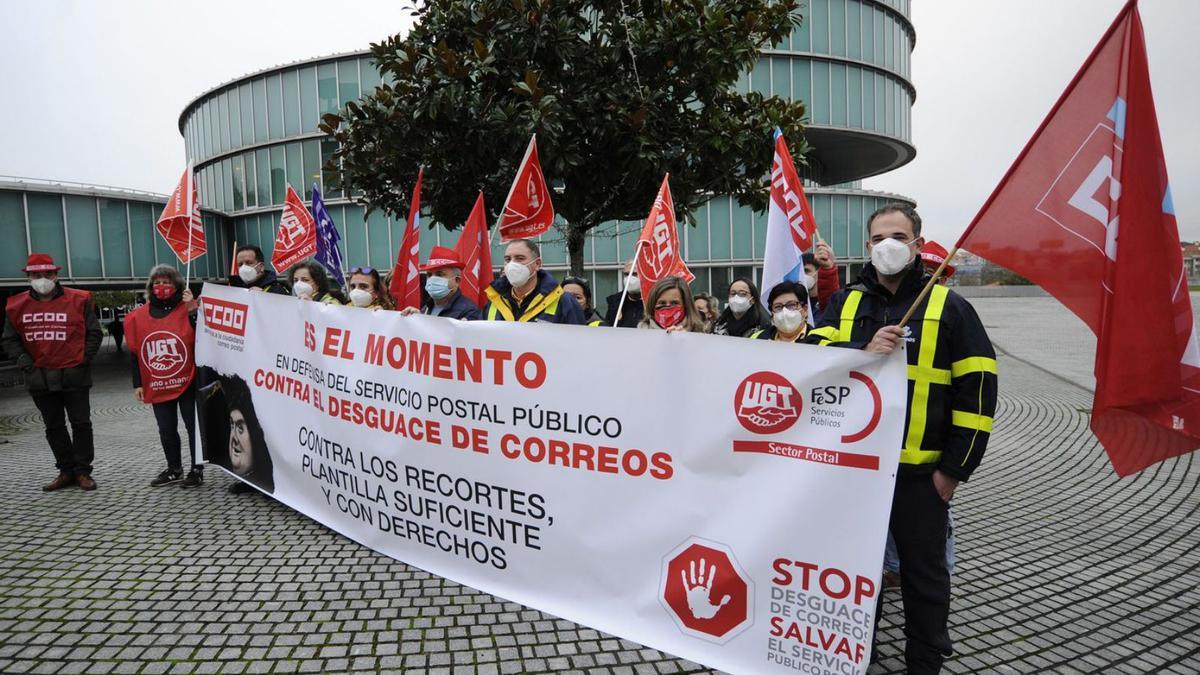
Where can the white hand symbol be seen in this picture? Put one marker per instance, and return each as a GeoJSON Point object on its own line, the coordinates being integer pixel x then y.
{"type": "Point", "coordinates": [698, 591]}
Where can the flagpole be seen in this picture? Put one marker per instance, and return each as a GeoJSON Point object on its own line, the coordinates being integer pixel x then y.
{"type": "Point", "coordinates": [625, 290]}
{"type": "Point", "coordinates": [190, 182]}
{"type": "Point", "coordinates": [937, 274]}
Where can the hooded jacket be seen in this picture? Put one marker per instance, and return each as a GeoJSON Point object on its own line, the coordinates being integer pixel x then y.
{"type": "Point", "coordinates": [547, 302]}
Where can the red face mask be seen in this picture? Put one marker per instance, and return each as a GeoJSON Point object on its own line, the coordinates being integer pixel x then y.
{"type": "Point", "coordinates": [163, 291]}
{"type": "Point", "coordinates": [668, 316]}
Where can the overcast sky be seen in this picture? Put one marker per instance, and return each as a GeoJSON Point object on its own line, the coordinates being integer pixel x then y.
{"type": "Point", "coordinates": [92, 91]}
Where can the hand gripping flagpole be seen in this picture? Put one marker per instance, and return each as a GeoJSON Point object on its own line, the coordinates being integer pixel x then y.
{"type": "Point", "coordinates": [937, 274]}
{"type": "Point", "coordinates": [625, 290]}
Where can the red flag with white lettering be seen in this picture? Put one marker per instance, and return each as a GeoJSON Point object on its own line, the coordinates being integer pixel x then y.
{"type": "Point", "coordinates": [1095, 168]}
{"type": "Point", "coordinates": [474, 249]}
{"type": "Point", "coordinates": [180, 223]}
{"type": "Point", "coordinates": [406, 277]}
{"type": "Point", "coordinates": [296, 238]}
{"type": "Point", "coordinates": [658, 252]}
{"type": "Point", "coordinates": [528, 211]}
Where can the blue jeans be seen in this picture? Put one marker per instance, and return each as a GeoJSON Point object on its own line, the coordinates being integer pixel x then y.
{"type": "Point", "coordinates": [891, 561]}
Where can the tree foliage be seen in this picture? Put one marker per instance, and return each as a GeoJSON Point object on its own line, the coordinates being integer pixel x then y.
{"type": "Point", "coordinates": [618, 92]}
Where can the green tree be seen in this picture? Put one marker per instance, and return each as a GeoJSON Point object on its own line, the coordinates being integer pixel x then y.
{"type": "Point", "coordinates": [618, 92]}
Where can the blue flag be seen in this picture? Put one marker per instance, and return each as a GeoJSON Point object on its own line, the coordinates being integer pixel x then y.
{"type": "Point", "coordinates": [327, 239]}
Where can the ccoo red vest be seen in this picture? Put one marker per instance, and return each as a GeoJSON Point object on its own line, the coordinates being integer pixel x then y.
{"type": "Point", "coordinates": [165, 351]}
{"type": "Point", "coordinates": [52, 331]}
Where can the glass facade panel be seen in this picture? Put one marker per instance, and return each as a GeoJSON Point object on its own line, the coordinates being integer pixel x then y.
{"type": "Point", "coordinates": [223, 122]}
{"type": "Point", "coordinates": [355, 239]}
{"type": "Point", "coordinates": [868, 94]}
{"type": "Point", "coordinates": [801, 37]}
{"type": "Point", "coordinates": [761, 77]}
{"type": "Point", "coordinates": [246, 114]}
{"type": "Point", "coordinates": [820, 94]}
{"type": "Point", "coordinates": [370, 76]}
{"type": "Point", "coordinates": [222, 198]}
{"type": "Point", "coordinates": [278, 175]}
{"type": "Point", "coordinates": [238, 175]}
{"type": "Point", "coordinates": [12, 223]}
{"type": "Point", "coordinates": [251, 186]}
{"type": "Point", "coordinates": [854, 29]}
{"type": "Point", "coordinates": [308, 99]}
{"type": "Point", "coordinates": [206, 130]}
{"type": "Point", "coordinates": [840, 225]}
{"type": "Point", "coordinates": [744, 223]}
{"type": "Point", "coordinates": [695, 238]}
{"type": "Point", "coordinates": [880, 44]}
{"type": "Point", "coordinates": [274, 107]}
{"type": "Point", "coordinates": [262, 171]}
{"type": "Point", "coordinates": [115, 237]}
{"type": "Point", "coordinates": [854, 102]}
{"type": "Point", "coordinates": [880, 103]}
{"type": "Point", "coordinates": [260, 109]}
{"type": "Point", "coordinates": [720, 212]}
{"type": "Point", "coordinates": [328, 147]}
{"type": "Point", "coordinates": [291, 103]}
{"type": "Point", "coordinates": [838, 93]}
{"type": "Point", "coordinates": [141, 229]}
{"type": "Point", "coordinates": [837, 28]}
{"type": "Point", "coordinates": [379, 252]}
{"type": "Point", "coordinates": [802, 84]}
{"type": "Point", "coordinates": [347, 75]}
{"type": "Point", "coordinates": [312, 166]}
{"type": "Point", "coordinates": [295, 167]}
{"type": "Point", "coordinates": [46, 234]}
{"type": "Point", "coordinates": [235, 119]}
{"type": "Point", "coordinates": [327, 87]}
{"type": "Point", "coordinates": [820, 26]}
{"type": "Point", "coordinates": [83, 227]}
{"type": "Point", "coordinates": [867, 24]}
{"type": "Point", "coordinates": [854, 218]}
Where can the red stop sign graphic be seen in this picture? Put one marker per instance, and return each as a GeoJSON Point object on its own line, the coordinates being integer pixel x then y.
{"type": "Point", "coordinates": [706, 591]}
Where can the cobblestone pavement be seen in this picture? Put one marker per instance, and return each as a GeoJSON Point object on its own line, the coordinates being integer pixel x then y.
{"type": "Point", "coordinates": [1061, 566]}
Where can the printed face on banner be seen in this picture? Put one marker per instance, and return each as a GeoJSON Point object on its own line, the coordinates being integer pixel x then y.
{"type": "Point", "coordinates": [164, 353]}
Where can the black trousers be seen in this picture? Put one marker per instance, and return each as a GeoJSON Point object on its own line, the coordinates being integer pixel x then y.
{"type": "Point", "coordinates": [167, 415]}
{"type": "Point", "coordinates": [74, 451]}
{"type": "Point", "coordinates": [918, 524]}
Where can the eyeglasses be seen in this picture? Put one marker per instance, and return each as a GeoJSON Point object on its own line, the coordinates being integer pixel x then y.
{"type": "Point", "coordinates": [362, 270]}
{"type": "Point", "coordinates": [792, 306]}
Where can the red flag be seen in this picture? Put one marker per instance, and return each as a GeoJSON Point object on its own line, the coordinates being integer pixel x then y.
{"type": "Point", "coordinates": [658, 254]}
{"type": "Point", "coordinates": [1096, 167]}
{"type": "Point", "coordinates": [474, 249]}
{"type": "Point", "coordinates": [296, 238]}
{"type": "Point", "coordinates": [527, 210]}
{"type": "Point", "coordinates": [787, 194]}
{"type": "Point", "coordinates": [406, 278]}
{"type": "Point", "coordinates": [180, 223]}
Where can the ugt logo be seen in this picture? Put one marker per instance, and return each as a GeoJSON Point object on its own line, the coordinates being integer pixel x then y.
{"type": "Point", "coordinates": [164, 353]}
{"type": "Point", "coordinates": [1083, 198]}
{"type": "Point", "coordinates": [766, 403]}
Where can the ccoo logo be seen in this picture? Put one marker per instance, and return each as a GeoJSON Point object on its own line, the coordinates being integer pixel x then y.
{"type": "Point", "coordinates": [164, 353]}
{"type": "Point", "coordinates": [766, 403]}
{"type": "Point", "coordinates": [225, 316]}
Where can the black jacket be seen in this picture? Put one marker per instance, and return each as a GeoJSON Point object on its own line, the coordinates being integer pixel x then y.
{"type": "Point", "coordinates": [269, 282]}
{"type": "Point", "coordinates": [631, 313]}
{"type": "Point", "coordinates": [547, 302]}
{"type": "Point", "coordinates": [56, 379]}
{"type": "Point", "coordinates": [459, 307]}
{"type": "Point", "coordinates": [951, 388]}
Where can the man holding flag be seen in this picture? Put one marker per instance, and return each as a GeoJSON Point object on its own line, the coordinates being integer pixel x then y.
{"type": "Point", "coordinates": [952, 400]}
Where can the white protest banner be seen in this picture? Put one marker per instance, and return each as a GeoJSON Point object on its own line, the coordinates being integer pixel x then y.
{"type": "Point", "coordinates": [720, 499]}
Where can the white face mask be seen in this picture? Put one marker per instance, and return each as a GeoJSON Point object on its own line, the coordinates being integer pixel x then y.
{"type": "Point", "coordinates": [248, 273]}
{"type": "Point", "coordinates": [810, 282]}
{"type": "Point", "coordinates": [788, 321]}
{"type": "Point", "coordinates": [360, 297]}
{"type": "Point", "coordinates": [517, 273]}
{"type": "Point", "coordinates": [42, 286]}
{"type": "Point", "coordinates": [890, 257]}
{"type": "Point", "coordinates": [303, 289]}
{"type": "Point", "coordinates": [634, 284]}
{"type": "Point", "coordinates": [739, 304]}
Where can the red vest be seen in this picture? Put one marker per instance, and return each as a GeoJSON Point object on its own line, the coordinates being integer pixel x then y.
{"type": "Point", "coordinates": [52, 331]}
{"type": "Point", "coordinates": [165, 351]}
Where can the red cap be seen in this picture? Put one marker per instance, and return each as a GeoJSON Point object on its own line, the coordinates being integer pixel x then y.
{"type": "Point", "coordinates": [40, 262]}
{"type": "Point", "coordinates": [441, 257]}
{"type": "Point", "coordinates": [932, 254]}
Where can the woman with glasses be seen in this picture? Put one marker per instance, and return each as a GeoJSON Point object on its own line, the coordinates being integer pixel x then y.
{"type": "Point", "coordinates": [670, 307]}
{"type": "Point", "coordinates": [788, 302]}
{"type": "Point", "coordinates": [367, 289]}
{"type": "Point", "coordinates": [582, 292]}
{"type": "Point", "coordinates": [744, 314]}
{"type": "Point", "coordinates": [310, 281]}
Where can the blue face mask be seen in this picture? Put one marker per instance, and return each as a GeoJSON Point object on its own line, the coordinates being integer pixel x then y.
{"type": "Point", "coordinates": [437, 287]}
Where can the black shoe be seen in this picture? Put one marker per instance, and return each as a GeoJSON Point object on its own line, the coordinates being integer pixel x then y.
{"type": "Point", "coordinates": [240, 488]}
{"type": "Point", "coordinates": [194, 478]}
{"type": "Point", "coordinates": [166, 478]}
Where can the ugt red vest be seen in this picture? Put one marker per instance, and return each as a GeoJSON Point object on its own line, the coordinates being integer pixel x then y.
{"type": "Point", "coordinates": [166, 351]}
{"type": "Point", "coordinates": [52, 331]}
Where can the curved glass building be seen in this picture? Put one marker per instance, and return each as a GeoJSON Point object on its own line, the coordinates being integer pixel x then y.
{"type": "Point", "coordinates": [251, 137]}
